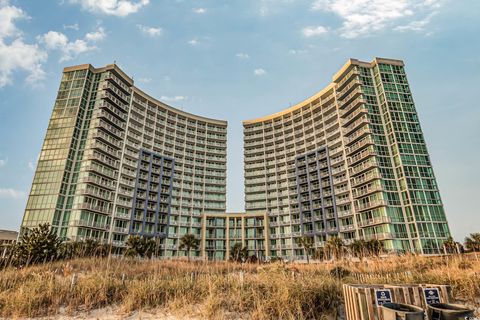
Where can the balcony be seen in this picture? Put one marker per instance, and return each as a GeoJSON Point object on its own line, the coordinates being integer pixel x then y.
{"type": "Point", "coordinates": [89, 224]}
{"type": "Point", "coordinates": [342, 201]}
{"type": "Point", "coordinates": [357, 124]}
{"type": "Point", "coordinates": [347, 101]}
{"type": "Point", "coordinates": [354, 115]}
{"type": "Point", "coordinates": [348, 88]}
{"type": "Point", "coordinates": [118, 82]}
{"type": "Point", "coordinates": [89, 206]}
{"type": "Point", "coordinates": [102, 113]}
{"type": "Point", "coordinates": [375, 221]}
{"type": "Point", "coordinates": [371, 163]}
{"type": "Point", "coordinates": [357, 193]}
{"type": "Point", "coordinates": [118, 93]}
{"type": "Point", "coordinates": [357, 135]}
{"type": "Point", "coordinates": [98, 181]}
{"type": "Point", "coordinates": [122, 215]}
{"type": "Point", "coordinates": [120, 230]}
{"type": "Point", "coordinates": [113, 99]}
{"type": "Point", "coordinates": [371, 205]}
{"type": "Point", "coordinates": [347, 228]}
{"type": "Point", "coordinates": [379, 236]}
{"type": "Point", "coordinates": [104, 195]}
{"type": "Point", "coordinates": [107, 172]}
{"type": "Point", "coordinates": [345, 213]}
{"type": "Point", "coordinates": [333, 143]}
{"type": "Point", "coordinates": [112, 108]}
{"type": "Point", "coordinates": [104, 147]}
{"type": "Point", "coordinates": [360, 101]}
{"type": "Point", "coordinates": [347, 78]}
{"type": "Point", "coordinates": [360, 144]}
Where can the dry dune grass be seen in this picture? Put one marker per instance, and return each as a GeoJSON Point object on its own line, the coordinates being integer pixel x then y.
{"type": "Point", "coordinates": [218, 290]}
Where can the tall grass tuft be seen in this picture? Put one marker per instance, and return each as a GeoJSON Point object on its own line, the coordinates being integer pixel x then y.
{"type": "Point", "coordinates": [219, 290]}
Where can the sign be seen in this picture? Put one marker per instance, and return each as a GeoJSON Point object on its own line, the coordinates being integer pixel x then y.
{"type": "Point", "coordinates": [383, 296]}
{"type": "Point", "coordinates": [432, 295]}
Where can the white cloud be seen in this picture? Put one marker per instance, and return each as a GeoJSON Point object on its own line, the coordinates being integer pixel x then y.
{"type": "Point", "coordinates": [268, 7]}
{"type": "Point", "coordinates": [23, 56]}
{"type": "Point", "coordinates": [96, 35]}
{"type": "Point", "coordinates": [203, 41]}
{"type": "Point", "coordinates": [418, 25]}
{"type": "Point", "coordinates": [8, 14]}
{"type": "Point", "coordinates": [55, 40]}
{"type": "Point", "coordinates": [200, 10]}
{"type": "Point", "coordinates": [15, 54]}
{"type": "Point", "coordinates": [32, 164]}
{"type": "Point", "coordinates": [173, 98]}
{"type": "Point", "coordinates": [144, 80]}
{"type": "Point", "coordinates": [314, 31]}
{"type": "Point", "coordinates": [297, 51]}
{"type": "Point", "coordinates": [242, 56]}
{"type": "Point", "coordinates": [3, 162]}
{"type": "Point", "coordinates": [11, 193]}
{"type": "Point", "coordinates": [151, 31]}
{"type": "Point", "coordinates": [193, 42]}
{"type": "Point", "coordinates": [74, 26]}
{"type": "Point", "coordinates": [259, 72]}
{"type": "Point", "coordinates": [363, 17]}
{"type": "Point", "coordinates": [120, 8]}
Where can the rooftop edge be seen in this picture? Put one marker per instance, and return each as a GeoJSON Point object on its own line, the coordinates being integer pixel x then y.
{"type": "Point", "coordinates": [330, 86]}
{"type": "Point", "coordinates": [141, 92]}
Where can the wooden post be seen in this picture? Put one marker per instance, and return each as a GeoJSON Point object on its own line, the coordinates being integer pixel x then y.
{"type": "Point", "coordinates": [74, 281]}
{"type": "Point", "coordinates": [360, 300]}
{"type": "Point", "coordinates": [241, 275]}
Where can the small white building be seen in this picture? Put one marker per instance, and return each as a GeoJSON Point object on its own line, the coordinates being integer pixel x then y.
{"type": "Point", "coordinates": [7, 238]}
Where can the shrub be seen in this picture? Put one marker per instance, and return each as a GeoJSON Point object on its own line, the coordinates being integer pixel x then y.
{"type": "Point", "coordinates": [339, 272]}
{"type": "Point", "coordinates": [37, 245]}
{"type": "Point", "coordinates": [464, 265]}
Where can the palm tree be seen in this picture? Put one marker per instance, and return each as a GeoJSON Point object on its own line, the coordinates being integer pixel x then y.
{"type": "Point", "coordinates": [149, 246]}
{"type": "Point", "coordinates": [335, 247]}
{"type": "Point", "coordinates": [140, 247]}
{"type": "Point", "coordinates": [89, 247]}
{"type": "Point", "coordinates": [374, 247]}
{"type": "Point", "coordinates": [306, 243]}
{"type": "Point", "coordinates": [134, 246]}
{"type": "Point", "coordinates": [319, 253]}
{"type": "Point", "coordinates": [188, 242]}
{"type": "Point", "coordinates": [449, 246]}
{"type": "Point", "coordinates": [472, 242]}
{"type": "Point", "coordinates": [238, 253]}
{"type": "Point", "coordinates": [358, 248]}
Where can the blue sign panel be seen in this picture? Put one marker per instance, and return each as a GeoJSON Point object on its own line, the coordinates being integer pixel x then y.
{"type": "Point", "coordinates": [383, 296]}
{"type": "Point", "coordinates": [432, 295]}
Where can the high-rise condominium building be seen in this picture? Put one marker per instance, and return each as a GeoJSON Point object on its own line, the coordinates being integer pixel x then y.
{"type": "Point", "coordinates": [349, 162]}
{"type": "Point", "coordinates": [116, 162]}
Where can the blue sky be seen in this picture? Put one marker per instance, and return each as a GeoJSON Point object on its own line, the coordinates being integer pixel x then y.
{"type": "Point", "coordinates": [241, 59]}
